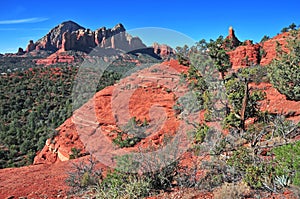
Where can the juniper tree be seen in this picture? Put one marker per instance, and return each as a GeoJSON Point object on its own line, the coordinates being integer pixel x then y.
{"type": "Point", "coordinates": [284, 70]}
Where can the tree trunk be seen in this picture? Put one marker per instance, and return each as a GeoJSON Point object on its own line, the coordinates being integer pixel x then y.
{"type": "Point", "coordinates": [244, 105]}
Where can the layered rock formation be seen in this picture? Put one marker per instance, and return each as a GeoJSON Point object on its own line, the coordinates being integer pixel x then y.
{"type": "Point", "coordinates": [61, 57]}
{"type": "Point", "coordinates": [163, 50]}
{"type": "Point", "coordinates": [252, 54]}
{"type": "Point", "coordinates": [53, 40]}
{"type": "Point", "coordinates": [71, 36]}
{"type": "Point", "coordinates": [151, 96]}
{"type": "Point", "coordinates": [246, 55]}
{"type": "Point", "coordinates": [269, 47]}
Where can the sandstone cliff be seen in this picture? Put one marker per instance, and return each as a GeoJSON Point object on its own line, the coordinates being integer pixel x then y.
{"type": "Point", "coordinates": [249, 54]}
{"type": "Point", "coordinates": [71, 36]}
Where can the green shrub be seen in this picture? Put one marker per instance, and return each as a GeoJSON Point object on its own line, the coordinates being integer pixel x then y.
{"type": "Point", "coordinates": [241, 159]}
{"type": "Point", "coordinates": [126, 182]}
{"type": "Point", "coordinates": [284, 71]}
{"type": "Point", "coordinates": [123, 185]}
{"type": "Point", "coordinates": [253, 171]}
{"type": "Point", "coordinates": [127, 142]}
{"type": "Point", "coordinates": [131, 133]}
{"type": "Point", "coordinates": [287, 161]}
{"type": "Point", "coordinates": [199, 133]}
{"type": "Point", "coordinates": [75, 153]}
{"type": "Point", "coordinates": [254, 176]}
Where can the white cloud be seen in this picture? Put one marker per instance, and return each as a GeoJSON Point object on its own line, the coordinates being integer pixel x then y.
{"type": "Point", "coordinates": [18, 21]}
{"type": "Point", "coordinates": [23, 29]}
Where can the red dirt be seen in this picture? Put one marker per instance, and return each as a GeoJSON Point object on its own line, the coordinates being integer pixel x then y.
{"type": "Point", "coordinates": [36, 181]}
{"type": "Point", "coordinates": [277, 103]}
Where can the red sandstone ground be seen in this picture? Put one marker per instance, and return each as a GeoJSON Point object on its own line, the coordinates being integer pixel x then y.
{"type": "Point", "coordinates": [35, 181]}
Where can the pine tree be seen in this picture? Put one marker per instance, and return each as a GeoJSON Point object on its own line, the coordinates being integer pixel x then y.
{"type": "Point", "coordinates": [219, 55]}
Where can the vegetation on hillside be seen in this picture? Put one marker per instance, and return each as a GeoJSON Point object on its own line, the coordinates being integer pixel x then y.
{"type": "Point", "coordinates": [253, 159]}
{"type": "Point", "coordinates": [284, 71]}
{"type": "Point", "coordinates": [36, 100]}
{"type": "Point", "coordinates": [231, 101]}
{"type": "Point", "coordinates": [34, 103]}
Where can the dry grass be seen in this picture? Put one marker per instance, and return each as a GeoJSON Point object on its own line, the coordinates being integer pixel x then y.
{"type": "Point", "coordinates": [231, 190]}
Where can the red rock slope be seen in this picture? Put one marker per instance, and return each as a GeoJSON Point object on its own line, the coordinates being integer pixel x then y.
{"type": "Point", "coordinates": [149, 94]}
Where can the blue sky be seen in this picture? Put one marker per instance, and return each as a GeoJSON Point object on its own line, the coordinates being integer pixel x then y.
{"type": "Point", "coordinates": [21, 21]}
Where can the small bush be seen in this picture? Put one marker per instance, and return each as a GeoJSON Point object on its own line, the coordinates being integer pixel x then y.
{"type": "Point", "coordinates": [240, 159]}
{"type": "Point", "coordinates": [127, 142]}
{"type": "Point", "coordinates": [75, 153]}
{"type": "Point", "coordinates": [253, 171]}
{"type": "Point", "coordinates": [123, 185]}
{"type": "Point", "coordinates": [199, 133]}
{"type": "Point", "coordinates": [131, 133]}
{"type": "Point", "coordinates": [84, 176]}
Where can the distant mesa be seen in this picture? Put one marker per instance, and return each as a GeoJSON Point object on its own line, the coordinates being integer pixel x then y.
{"type": "Point", "coordinates": [71, 36]}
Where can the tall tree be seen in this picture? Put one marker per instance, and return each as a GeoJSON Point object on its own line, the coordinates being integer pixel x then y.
{"type": "Point", "coordinates": [218, 53]}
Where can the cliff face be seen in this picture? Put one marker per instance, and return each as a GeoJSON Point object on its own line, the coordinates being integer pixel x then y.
{"type": "Point", "coordinates": [71, 36]}
{"type": "Point", "coordinates": [269, 47]}
{"type": "Point", "coordinates": [252, 54]}
{"type": "Point", "coordinates": [53, 40]}
{"type": "Point", "coordinates": [245, 55]}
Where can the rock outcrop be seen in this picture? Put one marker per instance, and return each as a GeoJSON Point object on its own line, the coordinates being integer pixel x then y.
{"type": "Point", "coordinates": [252, 54]}
{"type": "Point", "coordinates": [163, 50]}
{"type": "Point", "coordinates": [53, 40]}
{"type": "Point", "coordinates": [20, 51]}
{"type": "Point", "coordinates": [269, 47]}
{"type": "Point", "coordinates": [150, 95]}
{"type": "Point", "coordinates": [30, 47]}
{"type": "Point", "coordinates": [245, 55]}
{"type": "Point", "coordinates": [59, 148]}
{"type": "Point", "coordinates": [61, 57]}
{"type": "Point", "coordinates": [233, 40]}
{"type": "Point", "coordinates": [86, 40]}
